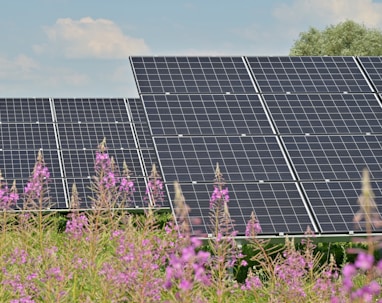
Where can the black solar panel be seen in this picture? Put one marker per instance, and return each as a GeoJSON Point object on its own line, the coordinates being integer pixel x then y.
{"type": "Point", "coordinates": [19, 164]}
{"type": "Point", "coordinates": [243, 159]}
{"type": "Point", "coordinates": [55, 192]}
{"type": "Point", "coordinates": [80, 163]}
{"type": "Point", "coordinates": [25, 110]}
{"type": "Point", "coordinates": [325, 114]}
{"type": "Point", "coordinates": [206, 114]}
{"type": "Point", "coordinates": [308, 75]}
{"type": "Point", "coordinates": [335, 205]}
{"type": "Point", "coordinates": [27, 136]}
{"type": "Point", "coordinates": [91, 110]}
{"type": "Point", "coordinates": [86, 194]}
{"type": "Point", "coordinates": [192, 75]}
{"type": "Point", "coordinates": [89, 135]}
{"type": "Point", "coordinates": [373, 67]}
{"type": "Point", "coordinates": [335, 157]}
{"type": "Point", "coordinates": [278, 206]}
{"type": "Point", "coordinates": [140, 124]}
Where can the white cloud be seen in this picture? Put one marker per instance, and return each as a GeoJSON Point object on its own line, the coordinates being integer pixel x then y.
{"type": "Point", "coordinates": [331, 11]}
{"type": "Point", "coordinates": [19, 67]}
{"type": "Point", "coordinates": [90, 38]}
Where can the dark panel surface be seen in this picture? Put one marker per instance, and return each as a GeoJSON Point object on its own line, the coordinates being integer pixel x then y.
{"type": "Point", "coordinates": [335, 205]}
{"type": "Point", "coordinates": [25, 110]}
{"type": "Point", "coordinates": [206, 115]}
{"type": "Point", "coordinates": [278, 206]}
{"type": "Point", "coordinates": [89, 135]}
{"type": "Point", "coordinates": [27, 136]}
{"type": "Point", "coordinates": [373, 68]}
{"type": "Point", "coordinates": [308, 75]}
{"type": "Point", "coordinates": [335, 157]}
{"type": "Point", "coordinates": [242, 159]}
{"type": "Point", "coordinates": [80, 163]}
{"type": "Point", "coordinates": [192, 75]}
{"type": "Point", "coordinates": [325, 114]}
{"type": "Point", "coordinates": [91, 110]}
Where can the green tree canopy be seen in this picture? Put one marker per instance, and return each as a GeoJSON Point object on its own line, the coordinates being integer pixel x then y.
{"type": "Point", "coordinates": [344, 39]}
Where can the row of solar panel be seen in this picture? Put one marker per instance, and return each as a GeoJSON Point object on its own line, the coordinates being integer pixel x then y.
{"type": "Point", "coordinates": [220, 75]}
{"type": "Point", "coordinates": [293, 154]}
{"type": "Point", "coordinates": [68, 132]}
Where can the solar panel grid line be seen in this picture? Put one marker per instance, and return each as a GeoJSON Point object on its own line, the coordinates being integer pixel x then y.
{"type": "Point", "coordinates": [89, 135]}
{"type": "Point", "coordinates": [335, 205]}
{"type": "Point", "coordinates": [334, 157]}
{"type": "Point", "coordinates": [271, 202]}
{"type": "Point", "coordinates": [308, 74]}
{"type": "Point", "coordinates": [365, 74]}
{"type": "Point", "coordinates": [242, 157]}
{"type": "Point", "coordinates": [24, 110]}
{"type": "Point", "coordinates": [325, 114]}
{"type": "Point", "coordinates": [191, 75]}
{"type": "Point", "coordinates": [371, 66]}
{"type": "Point", "coordinates": [83, 110]}
{"type": "Point", "coordinates": [206, 115]}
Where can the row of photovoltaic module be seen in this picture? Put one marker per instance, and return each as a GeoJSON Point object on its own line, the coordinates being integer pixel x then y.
{"type": "Point", "coordinates": [68, 132]}
{"type": "Point", "coordinates": [291, 135]}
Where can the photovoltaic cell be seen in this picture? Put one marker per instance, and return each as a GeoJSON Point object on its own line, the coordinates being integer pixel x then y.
{"type": "Point", "coordinates": [150, 158]}
{"type": "Point", "coordinates": [55, 191]}
{"type": "Point", "coordinates": [192, 75]}
{"type": "Point", "coordinates": [335, 157]}
{"type": "Point", "coordinates": [373, 67]}
{"type": "Point", "coordinates": [206, 114]}
{"type": "Point", "coordinates": [89, 135]}
{"type": "Point", "coordinates": [325, 114]}
{"type": "Point", "coordinates": [278, 207]}
{"type": "Point", "coordinates": [335, 205]}
{"type": "Point", "coordinates": [241, 159]}
{"type": "Point", "coordinates": [80, 163]}
{"type": "Point", "coordinates": [27, 136]}
{"type": "Point", "coordinates": [25, 110]}
{"type": "Point", "coordinates": [19, 164]}
{"type": "Point", "coordinates": [308, 75]}
{"type": "Point", "coordinates": [87, 195]}
{"type": "Point", "coordinates": [140, 123]}
{"type": "Point", "coordinates": [91, 110]}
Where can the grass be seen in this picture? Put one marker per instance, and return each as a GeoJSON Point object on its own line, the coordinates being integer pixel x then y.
{"type": "Point", "coordinates": [106, 255]}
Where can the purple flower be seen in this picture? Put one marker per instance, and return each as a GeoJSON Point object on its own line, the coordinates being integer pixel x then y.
{"type": "Point", "coordinates": [364, 261]}
{"type": "Point", "coordinates": [253, 226]}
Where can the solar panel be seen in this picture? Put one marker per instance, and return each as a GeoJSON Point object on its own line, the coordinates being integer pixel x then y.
{"type": "Point", "coordinates": [335, 204]}
{"type": "Point", "coordinates": [25, 110]}
{"type": "Point", "coordinates": [308, 75]}
{"type": "Point", "coordinates": [79, 163]}
{"type": "Point", "coordinates": [86, 194]}
{"type": "Point", "coordinates": [373, 66]}
{"type": "Point", "coordinates": [278, 207]}
{"type": "Point", "coordinates": [89, 135]}
{"type": "Point", "coordinates": [19, 164]}
{"type": "Point", "coordinates": [91, 110]}
{"type": "Point", "coordinates": [242, 159]}
{"type": "Point", "coordinates": [140, 124]}
{"type": "Point", "coordinates": [325, 114]}
{"type": "Point", "coordinates": [149, 158]}
{"type": "Point", "coordinates": [192, 75]}
{"type": "Point", "coordinates": [55, 192]}
{"type": "Point", "coordinates": [335, 157]}
{"type": "Point", "coordinates": [206, 114]}
{"type": "Point", "coordinates": [27, 136]}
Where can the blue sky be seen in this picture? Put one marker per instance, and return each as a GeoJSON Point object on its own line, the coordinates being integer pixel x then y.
{"type": "Point", "coordinates": [80, 48]}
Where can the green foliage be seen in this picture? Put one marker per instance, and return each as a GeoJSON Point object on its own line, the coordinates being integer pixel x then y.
{"type": "Point", "coordinates": [344, 39]}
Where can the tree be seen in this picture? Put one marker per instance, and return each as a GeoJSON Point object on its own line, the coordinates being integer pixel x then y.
{"type": "Point", "coordinates": [347, 38]}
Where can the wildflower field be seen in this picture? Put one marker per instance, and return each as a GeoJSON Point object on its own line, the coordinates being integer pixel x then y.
{"type": "Point", "coordinates": [109, 255]}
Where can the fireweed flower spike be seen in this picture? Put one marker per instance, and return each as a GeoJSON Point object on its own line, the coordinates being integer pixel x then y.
{"type": "Point", "coordinates": [39, 179]}
{"type": "Point", "coordinates": [8, 198]}
{"type": "Point", "coordinates": [253, 227]}
{"type": "Point", "coordinates": [154, 190]}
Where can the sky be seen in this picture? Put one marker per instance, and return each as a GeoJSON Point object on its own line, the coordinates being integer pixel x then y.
{"type": "Point", "coordinates": [81, 48]}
